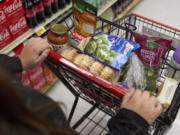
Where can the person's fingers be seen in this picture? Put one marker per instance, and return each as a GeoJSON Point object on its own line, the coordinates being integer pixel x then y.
{"type": "Point", "coordinates": [128, 96]}
{"type": "Point", "coordinates": [158, 109]}
{"type": "Point", "coordinates": [43, 56]}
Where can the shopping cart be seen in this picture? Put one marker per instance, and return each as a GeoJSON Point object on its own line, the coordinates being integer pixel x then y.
{"type": "Point", "coordinates": [101, 94]}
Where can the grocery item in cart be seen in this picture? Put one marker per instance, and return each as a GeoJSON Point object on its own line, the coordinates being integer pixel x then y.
{"type": "Point", "coordinates": [109, 49]}
{"type": "Point", "coordinates": [151, 51]}
{"type": "Point", "coordinates": [85, 17]}
{"type": "Point", "coordinates": [89, 63]}
{"type": "Point", "coordinates": [58, 36]}
{"type": "Point", "coordinates": [166, 92]}
{"type": "Point", "coordinates": [134, 75]}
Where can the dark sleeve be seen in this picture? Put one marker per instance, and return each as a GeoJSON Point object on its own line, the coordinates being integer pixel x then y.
{"type": "Point", "coordinates": [11, 64]}
{"type": "Point", "coordinates": [127, 122]}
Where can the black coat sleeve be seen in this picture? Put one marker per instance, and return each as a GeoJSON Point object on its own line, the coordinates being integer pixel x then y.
{"type": "Point", "coordinates": [11, 64]}
{"type": "Point", "coordinates": [127, 122]}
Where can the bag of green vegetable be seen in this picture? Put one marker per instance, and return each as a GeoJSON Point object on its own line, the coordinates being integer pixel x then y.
{"type": "Point", "coordinates": [151, 51]}
{"type": "Point", "coordinates": [109, 49]}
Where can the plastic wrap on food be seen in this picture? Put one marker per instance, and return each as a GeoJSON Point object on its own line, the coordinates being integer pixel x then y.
{"type": "Point", "coordinates": [86, 62]}
{"type": "Point", "coordinates": [96, 68]}
{"type": "Point", "coordinates": [78, 58]}
{"type": "Point", "coordinates": [135, 76]}
{"type": "Point", "coordinates": [68, 52]}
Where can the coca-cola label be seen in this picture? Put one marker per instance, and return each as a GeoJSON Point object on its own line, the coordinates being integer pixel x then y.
{"type": "Point", "coordinates": [12, 7]}
{"type": "Point", "coordinates": [39, 8]}
{"type": "Point", "coordinates": [19, 25]}
{"type": "Point", "coordinates": [3, 22]}
{"type": "Point", "coordinates": [5, 38]}
{"type": "Point", "coordinates": [30, 13]}
{"type": "Point", "coordinates": [4, 34]}
{"type": "Point", "coordinates": [47, 3]}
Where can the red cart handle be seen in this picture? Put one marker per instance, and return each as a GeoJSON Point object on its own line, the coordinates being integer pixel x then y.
{"type": "Point", "coordinates": [110, 87]}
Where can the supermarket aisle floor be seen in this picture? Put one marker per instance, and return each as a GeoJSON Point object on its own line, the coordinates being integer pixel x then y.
{"type": "Point", "coordinates": [165, 11]}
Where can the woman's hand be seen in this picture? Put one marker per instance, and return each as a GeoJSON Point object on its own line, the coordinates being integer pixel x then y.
{"type": "Point", "coordinates": [34, 53]}
{"type": "Point", "coordinates": [143, 104]}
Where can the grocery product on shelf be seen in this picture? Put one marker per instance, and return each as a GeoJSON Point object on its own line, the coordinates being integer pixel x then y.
{"type": "Point", "coordinates": [38, 5]}
{"type": "Point", "coordinates": [55, 7]}
{"type": "Point", "coordinates": [61, 4]}
{"type": "Point", "coordinates": [30, 14]}
{"type": "Point", "coordinates": [151, 51]}
{"type": "Point", "coordinates": [58, 36]}
{"type": "Point", "coordinates": [109, 49]}
{"type": "Point", "coordinates": [47, 8]}
{"type": "Point", "coordinates": [5, 36]}
{"type": "Point", "coordinates": [174, 70]}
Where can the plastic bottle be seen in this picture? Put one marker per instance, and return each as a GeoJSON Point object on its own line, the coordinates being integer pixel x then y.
{"type": "Point", "coordinates": [47, 7]}
{"type": "Point", "coordinates": [175, 63]}
{"type": "Point", "coordinates": [54, 6]}
{"type": "Point", "coordinates": [39, 10]}
{"type": "Point", "coordinates": [61, 4]}
{"type": "Point", "coordinates": [30, 14]}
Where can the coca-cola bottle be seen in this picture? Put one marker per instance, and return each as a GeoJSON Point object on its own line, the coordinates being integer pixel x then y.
{"type": "Point", "coordinates": [39, 10]}
{"type": "Point", "coordinates": [30, 14]}
{"type": "Point", "coordinates": [47, 7]}
{"type": "Point", "coordinates": [61, 4]}
{"type": "Point", "coordinates": [68, 1]}
{"type": "Point", "coordinates": [54, 6]}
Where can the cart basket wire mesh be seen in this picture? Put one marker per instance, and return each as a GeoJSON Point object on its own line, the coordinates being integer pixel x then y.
{"type": "Point", "coordinates": [105, 95]}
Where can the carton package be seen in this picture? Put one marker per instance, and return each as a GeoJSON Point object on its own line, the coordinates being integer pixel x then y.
{"type": "Point", "coordinates": [25, 80]}
{"type": "Point", "coordinates": [18, 26]}
{"type": "Point", "coordinates": [37, 78]}
{"type": "Point", "coordinates": [13, 8]}
{"type": "Point", "coordinates": [5, 36]}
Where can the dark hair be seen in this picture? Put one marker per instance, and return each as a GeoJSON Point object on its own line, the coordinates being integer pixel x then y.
{"type": "Point", "coordinates": [14, 113]}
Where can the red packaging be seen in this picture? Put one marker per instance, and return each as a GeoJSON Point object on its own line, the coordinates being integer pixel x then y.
{"type": "Point", "coordinates": [18, 27]}
{"type": "Point", "coordinates": [25, 80]}
{"type": "Point", "coordinates": [13, 9]}
{"type": "Point", "coordinates": [5, 37]}
{"type": "Point", "coordinates": [37, 78]}
{"type": "Point", "coordinates": [152, 48]}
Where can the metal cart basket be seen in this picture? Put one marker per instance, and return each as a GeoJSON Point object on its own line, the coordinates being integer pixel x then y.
{"type": "Point", "coordinates": [102, 94]}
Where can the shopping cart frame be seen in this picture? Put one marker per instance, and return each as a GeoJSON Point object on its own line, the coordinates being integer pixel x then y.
{"type": "Point", "coordinates": [101, 93]}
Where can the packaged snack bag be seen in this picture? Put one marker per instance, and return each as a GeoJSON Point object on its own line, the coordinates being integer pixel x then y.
{"type": "Point", "coordinates": [151, 51]}
{"type": "Point", "coordinates": [109, 49]}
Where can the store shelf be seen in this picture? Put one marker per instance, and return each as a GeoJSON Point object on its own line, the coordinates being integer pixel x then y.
{"type": "Point", "coordinates": [30, 32]}
{"type": "Point", "coordinates": [108, 4]}
{"type": "Point", "coordinates": [130, 7]}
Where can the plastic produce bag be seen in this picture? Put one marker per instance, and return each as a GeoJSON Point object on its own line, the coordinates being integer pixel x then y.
{"type": "Point", "coordinates": [151, 51]}
{"type": "Point", "coordinates": [135, 76]}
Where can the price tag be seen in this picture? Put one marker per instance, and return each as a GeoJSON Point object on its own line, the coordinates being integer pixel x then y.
{"type": "Point", "coordinates": [40, 30]}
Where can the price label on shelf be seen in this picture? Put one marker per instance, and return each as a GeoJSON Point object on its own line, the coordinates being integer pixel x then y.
{"type": "Point", "coordinates": [40, 30]}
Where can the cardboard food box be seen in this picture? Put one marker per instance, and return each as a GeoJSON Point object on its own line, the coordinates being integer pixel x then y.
{"type": "Point", "coordinates": [85, 17]}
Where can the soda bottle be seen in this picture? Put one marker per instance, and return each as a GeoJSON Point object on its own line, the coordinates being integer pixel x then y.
{"type": "Point", "coordinates": [47, 7]}
{"type": "Point", "coordinates": [68, 1]}
{"type": "Point", "coordinates": [54, 6]}
{"type": "Point", "coordinates": [39, 10]}
{"type": "Point", "coordinates": [30, 14]}
{"type": "Point", "coordinates": [61, 4]}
